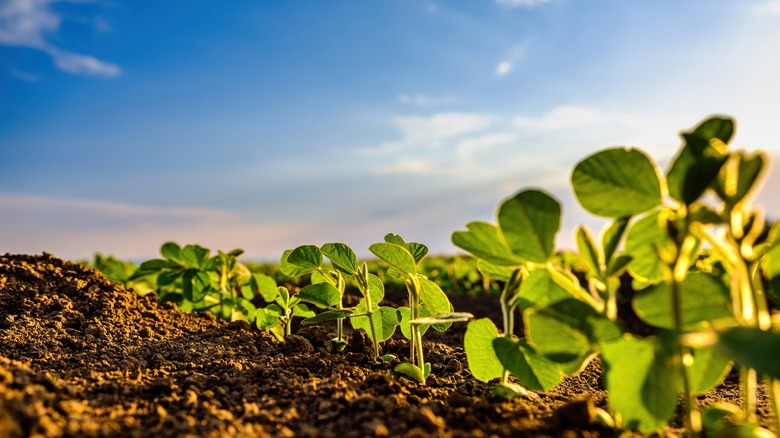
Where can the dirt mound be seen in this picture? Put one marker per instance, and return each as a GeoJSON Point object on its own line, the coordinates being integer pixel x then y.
{"type": "Point", "coordinates": [80, 355]}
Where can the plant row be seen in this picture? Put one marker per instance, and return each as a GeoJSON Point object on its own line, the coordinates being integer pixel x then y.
{"type": "Point", "coordinates": [703, 262]}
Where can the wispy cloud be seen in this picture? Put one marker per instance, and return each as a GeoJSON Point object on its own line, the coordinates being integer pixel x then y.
{"type": "Point", "coordinates": [468, 148]}
{"type": "Point", "coordinates": [418, 99]}
{"type": "Point", "coordinates": [430, 132]}
{"type": "Point", "coordinates": [575, 116]}
{"type": "Point", "coordinates": [767, 8]}
{"type": "Point", "coordinates": [26, 23]}
{"type": "Point", "coordinates": [503, 68]}
{"type": "Point", "coordinates": [520, 3]}
{"type": "Point", "coordinates": [517, 54]}
{"type": "Point", "coordinates": [24, 76]}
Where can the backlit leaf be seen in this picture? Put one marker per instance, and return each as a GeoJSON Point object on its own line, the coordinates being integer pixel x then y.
{"type": "Point", "coordinates": [587, 250]}
{"type": "Point", "coordinates": [484, 240]}
{"type": "Point", "coordinates": [306, 256]}
{"type": "Point", "coordinates": [341, 256]}
{"type": "Point", "coordinates": [644, 239]}
{"type": "Point", "coordinates": [532, 370]}
{"type": "Point", "coordinates": [616, 183]}
{"type": "Point", "coordinates": [752, 348]}
{"type": "Point", "coordinates": [322, 295]}
{"type": "Point", "coordinates": [395, 255]}
{"type": "Point", "coordinates": [529, 222]}
{"type": "Point", "coordinates": [478, 343]}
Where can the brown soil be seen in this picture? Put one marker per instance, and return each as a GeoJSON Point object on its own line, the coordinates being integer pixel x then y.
{"type": "Point", "coordinates": [82, 356]}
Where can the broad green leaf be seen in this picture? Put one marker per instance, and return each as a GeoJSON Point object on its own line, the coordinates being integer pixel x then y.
{"type": "Point", "coordinates": [406, 315]}
{"type": "Point", "coordinates": [529, 222]}
{"type": "Point", "coordinates": [171, 251]}
{"type": "Point", "coordinates": [289, 269]}
{"type": "Point", "coordinates": [484, 240]}
{"type": "Point", "coordinates": [318, 276]}
{"type": "Point", "coordinates": [704, 298]}
{"type": "Point", "coordinates": [752, 348]}
{"type": "Point", "coordinates": [376, 289]}
{"type": "Point", "coordinates": [329, 315]}
{"type": "Point", "coordinates": [642, 242]}
{"type": "Point", "coordinates": [395, 238]}
{"type": "Point", "coordinates": [195, 285]}
{"type": "Point", "coordinates": [531, 369]}
{"type": "Point", "coordinates": [739, 176]}
{"type": "Point", "coordinates": [322, 295]}
{"type": "Point", "coordinates": [721, 128]}
{"type": "Point", "coordinates": [195, 255]}
{"type": "Point", "coordinates": [478, 343]}
{"type": "Point", "coordinates": [771, 263]}
{"type": "Point", "coordinates": [588, 252]}
{"type": "Point", "coordinates": [247, 309]}
{"type": "Point", "coordinates": [341, 256]}
{"type": "Point", "coordinates": [540, 290]}
{"type": "Point", "coordinates": [641, 382]}
{"type": "Point", "coordinates": [301, 310]}
{"type": "Point", "coordinates": [411, 370]}
{"type": "Point", "coordinates": [618, 265]}
{"type": "Point", "coordinates": [273, 311]}
{"type": "Point", "coordinates": [611, 235]}
{"type": "Point", "coordinates": [496, 272]}
{"type": "Point", "coordinates": [266, 286]}
{"type": "Point", "coordinates": [418, 250]}
{"type": "Point", "coordinates": [386, 319]}
{"type": "Point", "coordinates": [153, 266]}
{"type": "Point", "coordinates": [395, 255]}
{"type": "Point", "coordinates": [708, 370]}
{"type": "Point", "coordinates": [568, 329]}
{"type": "Point", "coordinates": [435, 301]}
{"type": "Point", "coordinates": [306, 256]}
{"type": "Point", "coordinates": [617, 182]}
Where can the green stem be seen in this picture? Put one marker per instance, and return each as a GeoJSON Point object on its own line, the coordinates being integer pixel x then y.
{"type": "Point", "coordinates": [774, 395]}
{"type": "Point", "coordinates": [288, 322]}
{"type": "Point", "coordinates": [611, 305]}
{"type": "Point", "coordinates": [363, 283]}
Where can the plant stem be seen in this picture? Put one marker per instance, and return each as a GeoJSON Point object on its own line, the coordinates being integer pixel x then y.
{"type": "Point", "coordinates": [774, 396]}
{"type": "Point", "coordinates": [611, 305]}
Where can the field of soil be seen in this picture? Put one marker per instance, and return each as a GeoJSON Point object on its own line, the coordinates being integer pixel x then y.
{"type": "Point", "coordinates": [82, 356]}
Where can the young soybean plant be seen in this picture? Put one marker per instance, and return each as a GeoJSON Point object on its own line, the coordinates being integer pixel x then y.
{"type": "Point", "coordinates": [277, 316]}
{"type": "Point", "coordinates": [327, 290]}
{"type": "Point", "coordinates": [428, 305]}
{"type": "Point", "coordinates": [705, 323]}
{"type": "Point", "coordinates": [194, 281]}
{"type": "Point", "coordinates": [519, 252]}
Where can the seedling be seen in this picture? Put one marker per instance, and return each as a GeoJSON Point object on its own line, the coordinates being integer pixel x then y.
{"type": "Point", "coordinates": [519, 252]}
{"type": "Point", "coordinates": [327, 290]}
{"type": "Point", "coordinates": [123, 273]}
{"type": "Point", "coordinates": [194, 281]}
{"type": "Point", "coordinates": [428, 305]}
{"type": "Point", "coordinates": [277, 316]}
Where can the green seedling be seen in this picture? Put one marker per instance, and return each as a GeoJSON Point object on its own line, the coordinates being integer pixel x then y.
{"type": "Point", "coordinates": [699, 310]}
{"type": "Point", "coordinates": [519, 252]}
{"type": "Point", "coordinates": [123, 273]}
{"type": "Point", "coordinates": [195, 281]}
{"type": "Point", "coordinates": [277, 316]}
{"type": "Point", "coordinates": [428, 305]}
{"type": "Point", "coordinates": [327, 290]}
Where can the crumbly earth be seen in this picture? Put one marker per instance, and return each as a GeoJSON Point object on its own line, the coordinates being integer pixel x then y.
{"type": "Point", "coordinates": [82, 356]}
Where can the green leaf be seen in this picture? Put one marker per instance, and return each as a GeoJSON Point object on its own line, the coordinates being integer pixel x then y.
{"type": "Point", "coordinates": [641, 382]}
{"type": "Point", "coordinates": [395, 255]}
{"type": "Point", "coordinates": [289, 269]}
{"type": "Point", "coordinates": [484, 240]}
{"type": "Point", "coordinates": [302, 310]}
{"type": "Point", "coordinates": [411, 370]}
{"type": "Point", "coordinates": [568, 329]}
{"type": "Point", "coordinates": [709, 369]}
{"type": "Point", "coordinates": [532, 370]}
{"type": "Point", "coordinates": [266, 287]}
{"type": "Point", "coordinates": [329, 315]}
{"type": "Point", "coordinates": [489, 270]}
{"type": "Point", "coordinates": [618, 265]}
{"type": "Point", "coordinates": [418, 251]}
{"type": "Point", "coordinates": [306, 256]}
{"type": "Point", "coordinates": [644, 238]}
{"type": "Point", "coordinates": [752, 348]}
{"type": "Point", "coordinates": [396, 239]}
{"type": "Point", "coordinates": [386, 319]}
{"type": "Point", "coordinates": [171, 251]}
{"type": "Point", "coordinates": [322, 295]}
{"type": "Point", "coordinates": [478, 343]}
{"type": "Point", "coordinates": [195, 255]}
{"type": "Point", "coordinates": [406, 315]}
{"type": "Point", "coordinates": [540, 290]}
{"type": "Point", "coordinates": [587, 250]}
{"type": "Point", "coordinates": [739, 176]}
{"type": "Point", "coordinates": [529, 222]}
{"type": "Point", "coordinates": [721, 128]}
{"type": "Point", "coordinates": [195, 285]}
{"type": "Point", "coordinates": [611, 235]}
{"type": "Point", "coordinates": [341, 256]}
{"type": "Point", "coordinates": [435, 301]}
{"type": "Point", "coordinates": [153, 266]}
{"type": "Point", "coordinates": [376, 289]}
{"type": "Point", "coordinates": [704, 298]}
{"type": "Point", "coordinates": [617, 182]}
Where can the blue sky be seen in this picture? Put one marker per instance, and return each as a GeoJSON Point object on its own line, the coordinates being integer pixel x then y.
{"type": "Point", "coordinates": [266, 125]}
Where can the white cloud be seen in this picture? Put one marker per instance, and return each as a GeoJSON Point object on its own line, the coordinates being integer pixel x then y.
{"type": "Point", "coordinates": [503, 68]}
{"type": "Point", "coordinates": [408, 165]}
{"type": "Point", "coordinates": [430, 132]}
{"type": "Point", "coordinates": [468, 147]}
{"type": "Point", "coordinates": [418, 99]}
{"type": "Point", "coordinates": [25, 23]}
{"type": "Point", "coordinates": [520, 3]}
{"type": "Point", "coordinates": [767, 8]}
{"type": "Point", "coordinates": [575, 116]}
